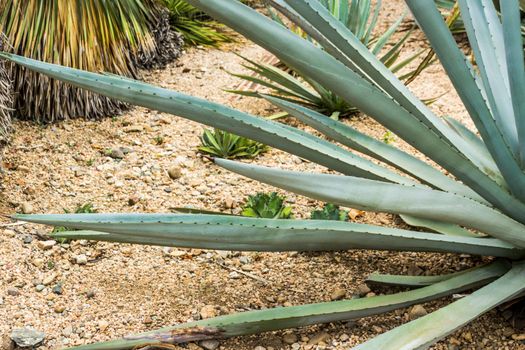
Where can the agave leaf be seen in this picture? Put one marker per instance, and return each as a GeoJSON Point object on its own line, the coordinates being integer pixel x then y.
{"type": "Point", "coordinates": [427, 330]}
{"type": "Point", "coordinates": [385, 37]}
{"type": "Point", "coordinates": [482, 37]}
{"type": "Point", "coordinates": [227, 232]}
{"type": "Point", "coordinates": [271, 133]}
{"type": "Point", "coordinates": [184, 210]}
{"type": "Point", "coordinates": [468, 135]}
{"type": "Point", "coordinates": [514, 51]}
{"type": "Point", "coordinates": [454, 62]}
{"type": "Point", "coordinates": [412, 281]}
{"type": "Point", "coordinates": [379, 196]}
{"type": "Point", "coordinates": [360, 142]}
{"type": "Point", "coordinates": [298, 316]}
{"type": "Point", "coordinates": [342, 39]}
{"type": "Point", "coordinates": [441, 227]}
{"type": "Point", "coordinates": [289, 12]}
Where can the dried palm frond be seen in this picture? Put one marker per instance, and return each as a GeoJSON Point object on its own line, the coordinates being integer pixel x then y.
{"type": "Point", "coordinates": [111, 36]}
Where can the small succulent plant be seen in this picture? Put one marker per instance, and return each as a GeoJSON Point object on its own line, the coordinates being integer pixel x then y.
{"type": "Point", "coordinates": [86, 208]}
{"type": "Point", "coordinates": [329, 212]}
{"type": "Point", "coordinates": [268, 206]}
{"type": "Point", "coordinates": [223, 144]}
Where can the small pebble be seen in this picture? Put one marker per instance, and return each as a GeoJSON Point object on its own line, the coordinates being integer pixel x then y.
{"type": "Point", "coordinates": [338, 294]}
{"type": "Point", "coordinates": [13, 291]}
{"type": "Point", "coordinates": [318, 338]}
{"type": "Point", "coordinates": [133, 200]}
{"type": "Point", "coordinates": [209, 344]}
{"type": "Point", "coordinates": [27, 208]}
{"type": "Point", "coordinates": [289, 338]}
{"type": "Point", "coordinates": [59, 308]}
{"type": "Point", "coordinates": [417, 311]}
{"type": "Point", "coordinates": [81, 259]}
{"type": "Point", "coordinates": [117, 153]}
{"type": "Point", "coordinates": [57, 289]}
{"type": "Point", "coordinates": [46, 245]}
{"type": "Point", "coordinates": [362, 289]}
{"type": "Point", "coordinates": [40, 287]}
{"type": "Point", "coordinates": [174, 172]}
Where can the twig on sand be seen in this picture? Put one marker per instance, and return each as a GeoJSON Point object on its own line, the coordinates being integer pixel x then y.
{"type": "Point", "coordinates": [247, 274]}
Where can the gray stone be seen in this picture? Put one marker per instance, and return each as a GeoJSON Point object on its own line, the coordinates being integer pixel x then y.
{"type": "Point", "coordinates": [175, 172]}
{"type": "Point", "coordinates": [13, 291]}
{"type": "Point", "coordinates": [27, 337]}
{"type": "Point", "coordinates": [116, 153]}
{"type": "Point", "coordinates": [40, 287]}
{"type": "Point", "coordinates": [209, 344]}
{"type": "Point", "coordinates": [81, 259]}
{"type": "Point", "coordinates": [57, 289]}
{"type": "Point", "coordinates": [417, 311]}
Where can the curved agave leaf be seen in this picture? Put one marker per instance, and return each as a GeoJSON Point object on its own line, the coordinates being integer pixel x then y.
{"type": "Point", "coordinates": [515, 67]}
{"type": "Point", "coordinates": [482, 39]}
{"type": "Point", "coordinates": [379, 196]}
{"type": "Point", "coordinates": [412, 281]}
{"type": "Point", "coordinates": [468, 135]}
{"type": "Point", "coordinates": [340, 37]}
{"type": "Point", "coordinates": [360, 142]}
{"type": "Point", "coordinates": [298, 316]}
{"type": "Point", "coordinates": [427, 330]}
{"type": "Point", "coordinates": [271, 133]}
{"type": "Point", "coordinates": [438, 226]}
{"type": "Point", "coordinates": [227, 232]}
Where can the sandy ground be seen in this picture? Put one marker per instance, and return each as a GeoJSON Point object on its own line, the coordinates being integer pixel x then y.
{"type": "Point", "coordinates": [126, 289]}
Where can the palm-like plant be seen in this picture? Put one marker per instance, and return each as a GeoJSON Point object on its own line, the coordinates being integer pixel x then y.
{"type": "Point", "coordinates": [485, 192]}
{"type": "Point", "coordinates": [111, 36]}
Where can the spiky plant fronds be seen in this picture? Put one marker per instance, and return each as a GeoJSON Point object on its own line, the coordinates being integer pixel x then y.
{"type": "Point", "coordinates": [483, 189]}
{"type": "Point", "coordinates": [195, 25]}
{"type": "Point", "coordinates": [98, 35]}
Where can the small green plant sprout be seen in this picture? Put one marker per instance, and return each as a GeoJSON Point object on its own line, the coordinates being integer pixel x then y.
{"type": "Point", "coordinates": [159, 140]}
{"type": "Point", "coordinates": [329, 212]}
{"type": "Point", "coordinates": [223, 144]}
{"type": "Point", "coordinates": [388, 137]}
{"type": "Point", "coordinates": [268, 206]}
{"type": "Point", "coordinates": [86, 208]}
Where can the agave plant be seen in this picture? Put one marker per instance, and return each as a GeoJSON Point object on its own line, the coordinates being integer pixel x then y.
{"type": "Point", "coordinates": [112, 36]}
{"type": "Point", "coordinates": [485, 191]}
{"type": "Point", "coordinates": [361, 18]}
{"type": "Point", "coordinates": [269, 206]}
{"type": "Point", "coordinates": [223, 144]}
{"type": "Point", "coordinates": [329, 211]}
